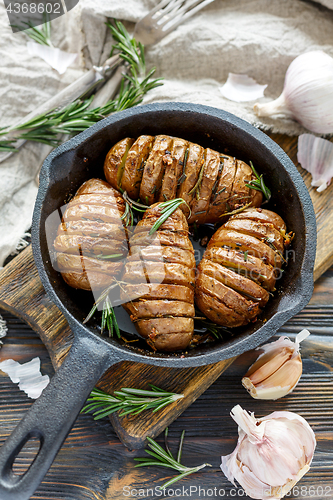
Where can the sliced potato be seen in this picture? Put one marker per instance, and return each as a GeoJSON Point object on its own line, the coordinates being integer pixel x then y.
{"type": "Point", "coordinates": [245, 243]}
{"type": "Point", "coordinates": [159, 157]}
{"type": "Point", "coordinates": [135, 164]}
{"type": "Point", "coordinates": [193, 164]}
{"type": "Point", "coordinates": [115, 162]}
{"type": "Point", "coordinates": [173, 170]}
{"type": "Point", "coordinates": [200, 203]}
{"type": "Point", "coordinates": [222, 192]}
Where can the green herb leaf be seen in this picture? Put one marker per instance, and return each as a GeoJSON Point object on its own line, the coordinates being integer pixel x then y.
{"type": "Point", "coordinates": [77, 116]}
{"type": "Point", "coordinates": [128, 401]}
{"type": "Point", "coordinates": [168, 208]}
{"type": "Point", "coordinates": [164, 458]}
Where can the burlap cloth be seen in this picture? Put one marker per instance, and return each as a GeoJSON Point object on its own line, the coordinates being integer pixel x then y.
{"type": "Point", "coordinates": [256, 37]}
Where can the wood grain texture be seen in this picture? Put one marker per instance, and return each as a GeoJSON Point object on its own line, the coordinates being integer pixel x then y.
{"type": "Point", "coordinates": [22, 293]}
{"type": "Point", "coordinates": [94, 465]}
{"type": "Point", "coordinates": [323, 207]}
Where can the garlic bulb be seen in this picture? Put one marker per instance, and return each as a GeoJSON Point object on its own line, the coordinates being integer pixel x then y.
{"type": "Point", "coordinates": [277, 370]}
{"type": "Point", "coordinates": [272, 453]}
{"type": "Point", "coordinates": [307, 95]}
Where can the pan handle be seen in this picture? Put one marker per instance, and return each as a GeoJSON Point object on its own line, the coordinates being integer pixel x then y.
{"type": "Point", "coordinates": [52, 416]}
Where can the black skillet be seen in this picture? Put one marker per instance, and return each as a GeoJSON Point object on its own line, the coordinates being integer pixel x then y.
{"type": "Point", "coordinates": [51, 417]}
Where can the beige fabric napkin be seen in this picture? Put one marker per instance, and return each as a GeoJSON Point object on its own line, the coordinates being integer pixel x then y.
{"type": "Point", "coordinates": [255, 37]}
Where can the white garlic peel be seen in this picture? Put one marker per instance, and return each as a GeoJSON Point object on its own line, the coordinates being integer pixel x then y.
{"type": "Point", "coordinates": [242, 88]}
{"type": "Point", "coordinates": [277, 370]}
{"type": "Point", "coordinates": [272, 453]}
{"type": "Point", "coordinates": [316, 156]}
{"type": "Point", "coordinates": [56, 58]}
{"type": "Point", "coordinates": [307, 95]}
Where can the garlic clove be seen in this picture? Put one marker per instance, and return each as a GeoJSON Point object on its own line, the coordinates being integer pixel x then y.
{"type": "Point", "coordinates": [242, 88]}
{"type": "Point", "coordinates": [277, 370]}
{"type": "Point", "coordinates": [316, 156]}
{"type": "Point", "coordinates": [272, 454]}
{"type": "Point", "coordinates": [269, 364]}
{"type": "Point", "coordinates": [278, 384]}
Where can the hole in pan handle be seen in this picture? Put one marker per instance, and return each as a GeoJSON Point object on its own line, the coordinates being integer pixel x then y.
{"type": "Point", "coordinates": [52, 415]}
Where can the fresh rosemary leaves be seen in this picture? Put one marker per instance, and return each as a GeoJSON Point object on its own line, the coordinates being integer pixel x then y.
{"type": "Point", "coordinates": [168, 207]}
{"type": "Point", "coordinates": [130, 206]}
{"type": "Point", "coordinates": [109, 320]}
{"type": "Point", "coordinates": [165, 458]}
{"type": "Point", "coordinates": [128, 401]}
{"type": "Point", "coordinates": [76, 116]}
{"type": "Point", "coordinates": [42, 35]}
{"type": "Point", "coordinates": [258, 184]}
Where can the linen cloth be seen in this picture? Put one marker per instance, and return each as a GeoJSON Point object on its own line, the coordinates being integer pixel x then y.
{"type": "Point", "coordinates": [259, 38]}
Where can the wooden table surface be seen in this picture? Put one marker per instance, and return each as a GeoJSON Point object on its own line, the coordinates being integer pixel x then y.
{"type": "Point", "coordinates": [94, 465]}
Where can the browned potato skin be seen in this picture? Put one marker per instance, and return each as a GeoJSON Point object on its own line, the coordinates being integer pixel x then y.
{"type": "Point", "coordinates": [200, 203]}
{"type": "Point", "coordinates": [262, 215]}
{"type": "Point", "coordinates": [225, 295]}
{"type": "Point", "coordinates": [262, 231]}
{"type": "Point", "coordinates": [159, 157]}
{"type": "Point", "coordinates": [218, 312]}
{"type": "Point", "coordinates": [157, 291]}
{"type": "Point", "coordinates": [241, 284]}
{"type": "Point", "coordinates": [194, 163]}
{"type": "Point", "coordinates": [245, 243]}
{"type": "Point", "coordinates": [115, 162]}
{"type": "Point", "coordinates": [158, 308]}
{"type": "Point", "coordinates": [163, 253]}
{"type": "Point", "coordinates": [173, 171]}
{"type": "Point", "coordinates": [219, 203]}
{"type": "Point", "coordinates": [253, 267]}
{"type": "Point", "coordinates": [212, 184]}
{"type": "Point", "coordinates": [134, 165]}
{"type": "Point", "coordinates": [91, 227]}
{"type": "Point", "coordinates": [165, 275]}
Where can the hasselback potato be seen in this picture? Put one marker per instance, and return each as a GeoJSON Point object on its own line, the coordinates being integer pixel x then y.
{"type": "Point", "coordinates": [90, 234]}
{"type": "Point", "coordinates": [240, 266]}
{"type": "Point", "coordinates": [162, 168]}
{"type": "Point", "coordinates": [158, 281]}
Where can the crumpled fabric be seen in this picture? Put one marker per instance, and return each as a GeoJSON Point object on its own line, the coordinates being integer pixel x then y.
{"type": "Point", "coordinates": [259, 38]}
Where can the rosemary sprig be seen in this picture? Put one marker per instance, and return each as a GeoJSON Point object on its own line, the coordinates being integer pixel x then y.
{"type": "Point", "coordinates": [109, 319]}
{"type": "Point", "coordinates": [168, 207]}
{"type": "Point", "coordinates": [258, 184]}
{"type": "Point", "coordinates": [165, 458]}
{"type": "Point", "coordinates": [237, 210]}
{"type": "Point", "coordinates": [216, 330]}
{"type": "Point", "coordinates": [42, 35]}
{"type": "Point", "coordinates": [130, 206]}
{"type": "Point", "coordinates": [76, 117]}
{"type": "Point", "coordinates": [128, 401]}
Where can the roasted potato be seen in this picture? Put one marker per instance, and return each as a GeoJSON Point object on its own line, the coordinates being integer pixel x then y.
{"type": "Point", "coordinates": [158, 281]}
{"type": "Point", "coordinates": [162, 168]}
{"type": "Point", "coordinates": [240, 266]}
{"type": "Point", "coordinates": [91, 233]}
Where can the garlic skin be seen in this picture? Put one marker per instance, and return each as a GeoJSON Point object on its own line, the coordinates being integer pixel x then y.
{"type": "Point", "coordinates": [277, 370]}
{"type": "Point", "coordinates": [272, 453]}
{"type": "Point", "coordinates": [316, 156]}
{"type": "Point", "coordinates": [307, 96]}
{"type": "Point", "coordinates": [242, 88]}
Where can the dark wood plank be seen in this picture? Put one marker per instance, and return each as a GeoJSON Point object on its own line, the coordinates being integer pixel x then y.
{"type": "Point", "coordinates": [94, 465]}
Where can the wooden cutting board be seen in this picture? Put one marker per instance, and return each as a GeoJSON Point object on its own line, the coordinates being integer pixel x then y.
{"type": "Point", "coordinates": [22, 293]}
